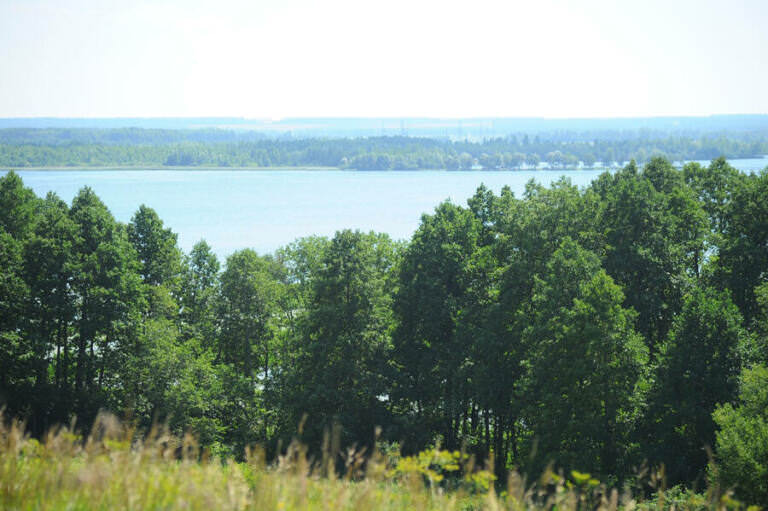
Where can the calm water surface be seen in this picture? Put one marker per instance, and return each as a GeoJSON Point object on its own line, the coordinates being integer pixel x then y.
{"type": "Point", "coordinates": [264, 210]}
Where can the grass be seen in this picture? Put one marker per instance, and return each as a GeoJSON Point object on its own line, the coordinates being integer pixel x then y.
{"type": "Point", "coordinates": [116, 469]}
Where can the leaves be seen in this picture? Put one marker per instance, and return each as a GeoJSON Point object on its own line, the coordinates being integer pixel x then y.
{"type": "Point", "coordinates": [590, 328]}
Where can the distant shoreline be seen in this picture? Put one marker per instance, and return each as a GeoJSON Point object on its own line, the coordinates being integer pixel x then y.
{"type": "Point", "coordinates": [153, 168]}
{"type": "Point", "coordinates": [192, 168]}
{"type": "Point", "coordinates": [288, 169]}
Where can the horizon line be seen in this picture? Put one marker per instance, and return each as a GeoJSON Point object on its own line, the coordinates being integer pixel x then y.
{"type": "Point", "coordinates": [447, 118]}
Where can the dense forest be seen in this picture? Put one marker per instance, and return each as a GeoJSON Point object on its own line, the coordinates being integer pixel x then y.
{"type": "Point", "coordinates": [600, 329]}
{"type": "Point", "coordinates": [458, 128]}
{"type": "Point", "coordinates": [24, 147]}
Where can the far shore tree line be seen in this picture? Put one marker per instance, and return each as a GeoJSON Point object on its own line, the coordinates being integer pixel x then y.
{"type": "Point", "coordinates": [599, 329]}
{"type": "Point", "coordinates": [21, 148]}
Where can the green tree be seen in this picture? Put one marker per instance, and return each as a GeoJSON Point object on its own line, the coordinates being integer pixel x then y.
{"type": "Point", "coordinates": [249, 295]}
{"type": "Point", "coordinates": [107, 288]}
{"type": "Point", "coordinates": [248, 320]}
{"type": "Point", "coordinates": [653, 232]}
{"type": "Point", "coordinates": [519, 238]}
{"type": "Point", "coordinates": [714, 186]}
{"type": "Point", "coordinates": [18, 206]}
{"type": "Point", "coordinates": [301, 263]}
{"type": "Point", "coordinates": [466, 161]}
{"type": "Point", "coordinates": [48, 271]}
{"type": "Point", "coordinates": [742, 263]}
{"type": "Point", "coordinates": [741, 455]}
{"type": "Point", "coordinates": [178, 385]}
{"type": "Point", "coordinates": [199, 288]}
{"type": "Point", "coordinates": [760, 326]}
{"type": "Point", "coordinates": [698, 369]}
{"type": "Point", "coordinates": [338, 375]}
{"type": "Point", "coordinates": [586, 366]}
{"type": "Point", "coordinates": [532, 160]}
{"type": "Point", "coordinates": [14, 350]}
{"type": "Point", "coordinates": [433, 287]}
{"type": "Point", "coordinates": [156, 248]}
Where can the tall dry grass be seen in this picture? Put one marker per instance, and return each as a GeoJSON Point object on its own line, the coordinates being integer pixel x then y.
{"type": "Point", "coordinates": [115, 469]}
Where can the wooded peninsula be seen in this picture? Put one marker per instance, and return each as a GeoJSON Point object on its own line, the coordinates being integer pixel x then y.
{"type": "Point", "coordinates": [140, 147]}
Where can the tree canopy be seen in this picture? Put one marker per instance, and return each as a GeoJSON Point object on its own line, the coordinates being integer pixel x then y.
{"type": "Point", "coordinates": [595, 329]}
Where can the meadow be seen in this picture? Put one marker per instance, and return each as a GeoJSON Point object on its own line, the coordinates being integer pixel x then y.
{"type": "Point", "coordinates": [114, 468]}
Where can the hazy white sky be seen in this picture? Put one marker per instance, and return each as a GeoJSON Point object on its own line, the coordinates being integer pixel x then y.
{"type": "Point", "coordinates": [437, 58]}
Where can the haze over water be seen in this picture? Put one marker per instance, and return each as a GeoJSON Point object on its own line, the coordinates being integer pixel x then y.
{"type": "Point", "coordinates": [264, 210]}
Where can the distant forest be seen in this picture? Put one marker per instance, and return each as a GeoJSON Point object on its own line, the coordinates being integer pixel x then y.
{"type": "Point", "coordinates": [137, 147]}
{"type": "Point", "coordinates": [457, 128]}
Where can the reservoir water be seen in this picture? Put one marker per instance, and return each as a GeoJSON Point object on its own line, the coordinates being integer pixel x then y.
{"type": "Point", "coordinates": [266, 209]}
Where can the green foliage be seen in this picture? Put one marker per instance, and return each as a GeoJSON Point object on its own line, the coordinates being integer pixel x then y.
{"type": "Point", "coordinates": [714, 186]}
{"type": "Point", "coordinates": [220, 148]}
{"type": "Point", "coordinates": [760, 326]}
{"type": "Point", "coordinates": [434, 280]}
{"type": "Point", "coordinates": [249, 295]}
{"type": "Point", "coordinates": [434, 465]}
{"type": "Point", "coordinates": [155, 247]}
{"type": "Point", "coordinates": [742, 440]}
{"type": "Point", "coordinates": [581, 329]}
{"type": "Point", "coordinates": [199, 293]}
{"type": "Point", "coordinates": [653, 231]}
{"type": "Point", "coordinates": [742, 263]}
{"type": "Point", "coordinates": [698, 369]}
{"type": "Point", "coordinates": [338, 375]}
{"type": "Point", "coordinates": [15, 352]}
{"type": "Point", "coordinates": [586, 365]}
{"type": "Point", "coordinates": [18, 203]}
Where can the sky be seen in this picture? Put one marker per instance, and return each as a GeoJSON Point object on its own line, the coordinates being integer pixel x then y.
{"type": "Point", "coordinates": [385, 58]}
